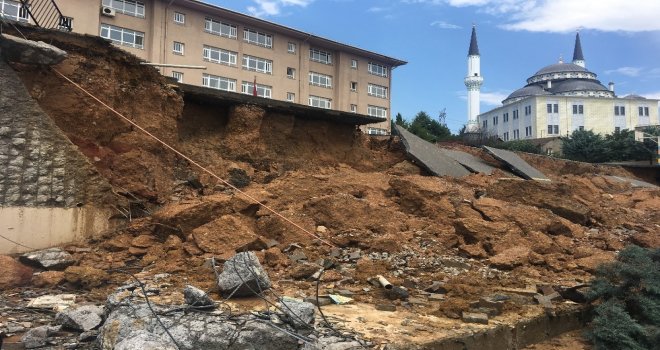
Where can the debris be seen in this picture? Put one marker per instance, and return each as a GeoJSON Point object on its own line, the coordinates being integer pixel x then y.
{"type": "Point", "coordinates": [474, 317]}
{"type": "Point", "coordinates": [81, 318]}
{"type": "Point", "coordinates": [436, 297]}
{"type": "Point", "coordinates": [14, 274]}
{"type": "Point", "coordinates": [24, 51]}
{"type": "Point", "coordinates": [51, 258]}
{"type": "Point", "coordinates": [322, 301]}
{"type": "Point", "coordinates": [297, 255]}
{"type": "Point", "coordinates": [197, 297]}
{"type": "Point", "coordinates": [88, 336]}
{"type": "Point", "coordinates": [38, 337]}
{"type": "Point", "coordinates": [386, 307]}
{"type": "Point", "coordinates": [321, 229]}
{"type": "Point", "coordinates": [340, 299]}
{"type": "Point", "coordinates": [384, 282]}
{"type": "Point", "coordinates": [517, 164]}
{"type": "Point", "coordinates": [242, 275]}
{"type": "Point", "coordinates": [436, 287]}
{"type": "Point", "coordinates": [53, 302]}
{"type": "Point", "coordinates": [145, 341]}
{"type": "Point", "coordinates": [86, 276]}
{"type": "Point", "coordinates": [397, 293]}
{"type": "Point", "coordinates": [303, 271]}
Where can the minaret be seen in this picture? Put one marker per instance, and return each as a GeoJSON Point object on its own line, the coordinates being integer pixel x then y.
{"type": "Point", "coordinates": [473, 82]}
{"type": "Point", "coordinates": [578, 57]}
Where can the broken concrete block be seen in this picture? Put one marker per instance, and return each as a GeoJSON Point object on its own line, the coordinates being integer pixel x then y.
{"type": "Point", "coordinates": [81, 318]}
{"type": "Point", "coordinates": [50, 259]}
{"type": "Point", "coordinates": [38, 337]}
{"type": "Point", "coordinates": [474, 317]}
{"type": "Point", "coordinates": [15, 49]}
{"type": "Point", "coordinates": [145, 341]}
{"type": "Point", "coordinates": [52, 302]}
{"type": "Point", "coordinates": [242, 275]}
{"type": "Point", "coordinates": [196, 297]}
{"type": "Point", "coordinates": [299, 314]}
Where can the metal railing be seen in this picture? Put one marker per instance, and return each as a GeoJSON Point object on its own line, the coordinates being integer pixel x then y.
{"type": "Point", "coordinates": [46, 14]}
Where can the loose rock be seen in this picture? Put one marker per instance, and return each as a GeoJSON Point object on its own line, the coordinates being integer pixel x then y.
{"type": "Point", "coordinates": [242, 275]}
{"type": "Point", "coordinates": [38, 337]}
{"type": "Point", "coordinates": [51, 259]}
{"type": "Point", "coordinates": [82, 318]}
{"type": "Point", "coordinates": [196, 297]}
{"type": "Point", "coordinates": [14, 274]}
{"type": "Point", "coordinates": [299, 314]}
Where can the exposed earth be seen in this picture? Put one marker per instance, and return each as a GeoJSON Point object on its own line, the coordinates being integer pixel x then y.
{"type": "Point", "coordinates": [373, 212]}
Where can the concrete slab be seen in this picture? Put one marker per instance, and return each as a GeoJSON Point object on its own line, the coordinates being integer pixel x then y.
{"type": "Point", "coordinates": [517, 164]}
{"type": "Point", "coordinates": [429, 155]}
{"type": "Point", "coordinates": [472, 163]}
{"type": "Point", "coordinates": [635, 183]}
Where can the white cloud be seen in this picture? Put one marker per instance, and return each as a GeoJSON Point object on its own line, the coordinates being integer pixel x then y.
{"type": "Point", "coordinates": [627, 71]}
{"type": "Point", "coordinates": [566, 15]}
{"type": "Point", "coordinates": [653, 95]}
{"type": "Point", "coordinates": [376, 9]}
{"type": "Point", "coordinates": [444, 25]}
{"type": "Point", "coordinates": [493, 98]}
{"type": "Point", "coordinates": [264, 8]}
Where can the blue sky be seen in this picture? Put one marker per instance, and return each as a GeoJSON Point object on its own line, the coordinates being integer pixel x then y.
{"type": "Point", "coordinates": [620, 40]}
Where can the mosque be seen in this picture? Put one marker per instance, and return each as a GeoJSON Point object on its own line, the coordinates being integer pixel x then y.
{"type": "Point", "coordinates": [557, 100]}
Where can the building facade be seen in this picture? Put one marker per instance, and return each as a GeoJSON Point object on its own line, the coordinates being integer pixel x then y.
{"type": "Point", "coordinates": [238, 51]}
{"type": "Point", "coordinates": [564, 97]}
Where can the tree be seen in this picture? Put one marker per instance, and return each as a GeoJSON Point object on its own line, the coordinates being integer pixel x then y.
{"type": "Point", "coordinates": [622, 146]}
{"type": "Point", "coordinates": [398, 120]}
{"type": "Point", "coordinates": [428, 129]}
{"type": "Point", "coordinates": [628, 290]}
{"type": "Point", "coordinates": [585, 146]}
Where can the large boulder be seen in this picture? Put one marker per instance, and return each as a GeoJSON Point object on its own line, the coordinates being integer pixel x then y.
{"type": "Point", "coordinates": [14, 274]}
{"type": "Point", "coordinates": [144, 341]}
{"type": "Point", "coordinates": [15, 49]}
{"type": "Point", "coordinates": [50, 259]}
{"type": "Point", "coordinates": [242, 275]}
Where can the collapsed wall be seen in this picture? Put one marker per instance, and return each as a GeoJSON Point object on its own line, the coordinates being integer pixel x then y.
{"type": "Point", "coordinates": [49, 193]}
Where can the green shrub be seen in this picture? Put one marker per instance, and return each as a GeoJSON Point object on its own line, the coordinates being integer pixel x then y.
{"type": "Point", "coordinates": [628, 290]}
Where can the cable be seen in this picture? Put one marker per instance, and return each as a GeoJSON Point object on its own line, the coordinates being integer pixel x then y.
{"type": "Point", "coordinates": [12, 241]}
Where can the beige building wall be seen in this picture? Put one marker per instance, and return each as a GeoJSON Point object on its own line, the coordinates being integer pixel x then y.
{"type": "Point", "coordinates": [599, 115]}
{"type": "Point", "coordinates": [161, 31]}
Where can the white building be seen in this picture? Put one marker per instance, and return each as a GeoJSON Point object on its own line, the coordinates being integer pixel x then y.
{"type": "Point", "coordinates": [563, 97]}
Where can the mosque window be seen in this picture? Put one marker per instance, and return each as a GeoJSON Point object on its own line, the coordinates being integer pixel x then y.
{"type": "Point", "coordinates": [578, 109]}
{"type": "Point", "coordinates": [619, 110]}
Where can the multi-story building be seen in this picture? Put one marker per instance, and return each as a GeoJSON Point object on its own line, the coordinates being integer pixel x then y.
{"type": "Point", "coordinates": [238, 50]}
{"type": "Point", "coordinates": [563, 97]}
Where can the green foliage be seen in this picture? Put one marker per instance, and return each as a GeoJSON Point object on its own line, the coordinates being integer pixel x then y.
{"type": "Point", "coordinates": [520, 145]}
{"type": "Point", "coordinates": [629, 291]}
{"type": "Point", "coordinates": [398, 120]}
{"type": "Point", "coordinates": [428, 129]}
{"type": "Point", "coordinates": [585, 146]}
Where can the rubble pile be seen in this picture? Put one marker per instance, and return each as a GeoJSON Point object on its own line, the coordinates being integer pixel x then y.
{"type": "Point", "coordinates": [220, 271]}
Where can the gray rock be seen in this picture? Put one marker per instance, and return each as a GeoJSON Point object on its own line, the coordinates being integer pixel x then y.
{"type": "Point", "coordinates": [192, 330]}
{"type": "Point", "coordinates": [51, 258]}
{"type": "Point", "coordinates": [334, 343]}
{"type": "Point", "coordinates": [299, 314]}
{"type": "Point", "coordinates": [242, 275]}
{"type": "Point", "coordinates": [82, 318]}
{"type": "Point", "coordinates": [196, 297]}
{"type": "Point", "coordinates": [88, 335]}
{"type": "Point", "coordinates": [474, 317]}
{"type": "Point", "coordinates": [38, 337]}
{"type": "Point", "coordinates": [19, 50]}
{"type": "Point", "coordinates": [144, 341]}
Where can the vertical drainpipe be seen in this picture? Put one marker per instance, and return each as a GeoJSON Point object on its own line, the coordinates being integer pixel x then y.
{"type": "Point", "coordinates": [164, 44]}
{"type": "Point", "coordinates": [389, 100]}
{"type": "Point", "coordinates": [300, 71]}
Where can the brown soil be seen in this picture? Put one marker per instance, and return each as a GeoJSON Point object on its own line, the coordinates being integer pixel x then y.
{"type": "Point", "coordinates": [411, 228]}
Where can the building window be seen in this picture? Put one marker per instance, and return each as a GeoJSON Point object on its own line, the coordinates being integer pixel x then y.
{"type": "Point", "coordinates": [553, 129]}
{"type": "Point", "coordinates": [553, 108]}
{"type": "Point", "coordinates": [643, 111]}
{"type": "Point", "coordinates": [178, 48]}
{"type": "Point", "coordinates": [528, 131]}
{"type": "Point", "coordinates": [317, 55]}
{"type": "Point", "coordinates": [257, 64]}
{"type": "Point", "coordinates": [291, 97]}
{"type": "Point", "coordinates": [291, 48]}
{"type": "Point", "coordinates": [354, 108]}
{"type": "Point", "coordinates": [13, 10]}
{"type": "Point", "coordinates": [290, 73]}
{"type": "Point", "coordinates": [516, 134]}
{"type": "Point", "coordinates": [123, 36]}
{"type": "Point", "coordinates": [496, 120]}
{"type": "Point", "coordinates": [354, 86]}
{"type": "Point", "coordinates": [354, 64]}
{"type": "Point", "coordinates": [515, 114]}
{"type": "Point", "coordinates": [265, 91]}
{"type": "Point", "coordinates": [376, 111]}
{"type": "Point", "coordinates": [65, 23]}
{"type": "Point", "coordinates": [319, 79]}
{"type": "Point", "coordinates": [217, 55]}
{"type": "Point", "coordinates": [505, 136]}
{"type": "Point", "coordinates": [178, 76]}
{"type": "Point", "coordinates": [219, 28]}
{"type": "Point", "coordinates": [617, 129]}
{"type": "Point", "coordinates": [619, 110]}
{"type": "Point", "coordinates": [377, 90]}
{"type": "Point", "coordinates": [320, 102]}
{"type": "Point", "coordinates": [257, 38]}
{"type": "Point", "coordinates": [484, 124]}
{"type": "Point", "coordinates": [179, 18]}
{"type": "Point", "coordinates": [127, 7]}
{"type": "Point", "coordinates": [220, 83]}
{"type": "Point", "coordinates": [377, 69]}
{"type": "Point", "coordinates": [376, 131]}
{"type": "Point", "coordinates": [505, 117]}
{"type": "Point", "coordinates": [528, 110]}
{"type": "Point", "coordinates": [578, 109]}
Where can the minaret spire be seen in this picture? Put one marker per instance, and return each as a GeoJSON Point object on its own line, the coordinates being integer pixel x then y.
{"type": "Point", "coordinates": [578, 56]}
{"type": "Point", "coordinates": [473, 82]}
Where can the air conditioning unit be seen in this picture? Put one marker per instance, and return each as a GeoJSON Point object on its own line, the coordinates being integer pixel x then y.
{"type": "Point", "coordinates": [108, 11]}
